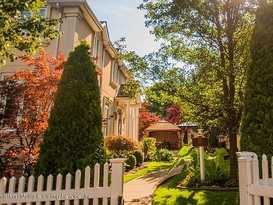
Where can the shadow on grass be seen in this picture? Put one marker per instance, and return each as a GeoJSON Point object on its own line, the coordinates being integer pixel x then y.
{"type": "Point", "coordinates": [151, 167]}
{"type": "Point", "coordinates": [168, 194]}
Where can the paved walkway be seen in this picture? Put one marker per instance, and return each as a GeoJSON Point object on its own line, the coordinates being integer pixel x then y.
{"type": "Point", "coordinates": [140, 190]}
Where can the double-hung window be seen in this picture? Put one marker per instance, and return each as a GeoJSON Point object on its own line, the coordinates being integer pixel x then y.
{"type": "Point", "coordinates": [115, 73]}
{"type": "Point", "coordinates": [97, 50]}
{"type": "Point", "coordinates": [26, 15]}
{"type": "Point", "coordinates": [107, 119]}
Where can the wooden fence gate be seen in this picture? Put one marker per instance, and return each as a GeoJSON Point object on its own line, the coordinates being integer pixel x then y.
{"type": "Point", "coordinates": [26, 191]}
{"type": "Point", "coordinates": [253, 189]}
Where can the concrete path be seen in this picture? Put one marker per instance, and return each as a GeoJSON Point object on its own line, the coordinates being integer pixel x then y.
{"type": "Point", "coordinates": [140, 190]}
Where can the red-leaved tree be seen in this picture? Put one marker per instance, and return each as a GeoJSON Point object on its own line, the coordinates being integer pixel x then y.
{"type": "Point", "coordinates": [146, 119]}
{"type": "Point", "coordinates": [174, 114]}
{"type": "Point", "coordinates": [26, 98]}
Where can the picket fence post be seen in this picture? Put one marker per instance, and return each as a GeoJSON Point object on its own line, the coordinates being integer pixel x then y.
{"type": "Point", "coordinates": [116, 180]}
{"type": "Point", "coordinates": [245, 176]}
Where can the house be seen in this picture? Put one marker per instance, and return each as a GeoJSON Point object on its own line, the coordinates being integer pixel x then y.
{"type": "Point", "coordinates": [120, 113]}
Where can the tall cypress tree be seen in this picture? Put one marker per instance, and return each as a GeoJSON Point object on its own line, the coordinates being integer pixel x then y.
{"type": "Point", "coordinates": [74, 138]}
{"type": "Point", "coordinates": [257, 122]}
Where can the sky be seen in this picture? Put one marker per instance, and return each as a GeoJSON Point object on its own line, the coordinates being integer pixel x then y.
{"type": "Point", "coordinates": [125, 20]}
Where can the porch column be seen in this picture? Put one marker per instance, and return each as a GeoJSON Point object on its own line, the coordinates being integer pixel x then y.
{"type": "Point", "coordinates": [128, 119]}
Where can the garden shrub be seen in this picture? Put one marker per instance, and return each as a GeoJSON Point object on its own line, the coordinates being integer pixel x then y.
{"type": "Point", "coordinates": [188, 181]}
{"type": "Point", "coordinates": [139, 157]}
{"type": "Point", "coordinates": [120, 146]}
{"type": "Point", "coordinates": [130, 163]}
{"type": "Point", "coordinates": [216, 166]}
{"type": "Point", "coordinates": [149, 148]}
{"type": "Point", "coordinates": [164, 155]}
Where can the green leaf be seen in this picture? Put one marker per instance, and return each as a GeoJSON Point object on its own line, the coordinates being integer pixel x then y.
{"type": "Point", "coordinates": [184, 151]}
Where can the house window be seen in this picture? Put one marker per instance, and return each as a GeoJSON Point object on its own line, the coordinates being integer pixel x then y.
{"type": "Point", "coordinates": [3, 96]}
{"type": "Point", "coordinates": [97, 50]}
{"type": "Point", "coordinates": [106, 119]}
{"type": "Point", "coordinates": [8, 101]}
{"type": "Point", "coordinates": [115, 72]}
{"type": "Point", "coordinates": [43, 12]}
{"type": "Point", "coordinates": [99, 80]}
{"type": "Point", "coordinates": [119, 122]}
{"type": "Point", "coordinates": [26, 15]}
{"type": "Point", "coordinates": [106, 116]}
{"type": "Point", "coordinates": [122, 78]}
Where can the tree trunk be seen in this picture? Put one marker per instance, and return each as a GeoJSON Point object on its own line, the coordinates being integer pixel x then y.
{"type": "Point", "coordinates": [232, 154]}
{"type": "Point", "coordinates": [232, 122]}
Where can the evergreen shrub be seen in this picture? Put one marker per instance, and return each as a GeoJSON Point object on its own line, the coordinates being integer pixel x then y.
{"type": "Point", "coordinates": [130, 163]}
{"type": "Point", "coordinates": [74, 139]}
{"type": "Point", "coordinates": [139, 157]}
{"type": "Point", "coordinates": [164, 155]}
{"type": "Point", "coordinates": [256, 127]}
{"type": "Point", "coordinates": [149, 148]}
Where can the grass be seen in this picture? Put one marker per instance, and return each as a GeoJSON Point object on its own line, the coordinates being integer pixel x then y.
{"type": "Point", "coordinates": [151, 167]}
{"type": "Point", "coordinates": [168, 194]}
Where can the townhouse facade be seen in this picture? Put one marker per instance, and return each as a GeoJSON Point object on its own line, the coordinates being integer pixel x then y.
{"type": "Point", "coordinates": [78, 22]}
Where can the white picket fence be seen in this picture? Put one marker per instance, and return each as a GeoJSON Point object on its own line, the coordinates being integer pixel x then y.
{"type": "Point", "coordinates": [12, 192]}
{"type": "Point", "coordinates": [252, 188]}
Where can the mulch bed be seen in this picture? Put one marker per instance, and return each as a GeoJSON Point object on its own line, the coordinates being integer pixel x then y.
{"type": "Point", "coordinates": [210, 188]}
{"type": "Point", "coordinates": [210, 185]}
{"type": "Point", "coordinates": [136, 169]}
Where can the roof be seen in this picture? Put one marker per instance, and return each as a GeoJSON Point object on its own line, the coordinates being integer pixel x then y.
{"type": "Point", "coordinates": [162, 125]}
{"type": "Point", "coordinates": [95, 24]}
{"type": "Point", "coordinates": [187, 124]}
{"type": "Point", "coordinates": [121, 92]}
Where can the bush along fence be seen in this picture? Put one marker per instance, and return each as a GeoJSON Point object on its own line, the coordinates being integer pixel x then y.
{"type": "Point", "coordinates": [253, 189]}
{"type": "Point", "coordinates": [12, 192]}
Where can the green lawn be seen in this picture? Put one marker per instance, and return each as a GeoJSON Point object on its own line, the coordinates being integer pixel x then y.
{"type": "Point", "coordinates": [168, 194]}
{"type": "Point", "coordinates": [151, 167]}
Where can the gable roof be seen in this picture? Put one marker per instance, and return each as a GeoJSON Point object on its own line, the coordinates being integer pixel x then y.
{"type": "Point", "coordinates": [162, 125]}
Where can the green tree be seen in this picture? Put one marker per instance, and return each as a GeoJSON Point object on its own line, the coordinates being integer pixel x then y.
{"type": "Point", "coordinates": [22, 27]}
{"type": "Point", "coordinates": [163, 93]}
{"type": "Point", "coordinates": [159, 98]}
{"type": "Point", "coordinates": [74, 138]}
{"type": "Point", "coordinates": [211, 38]}
{"type": "Point", "coordinates": [257, 131]}
{"type": "Point", "coordinates": [199, 98]}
